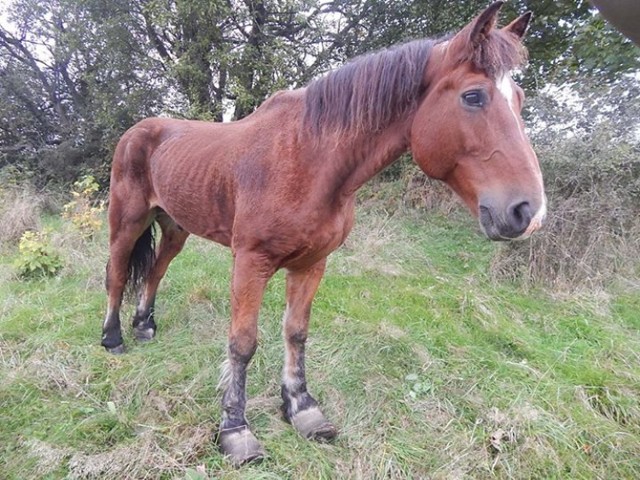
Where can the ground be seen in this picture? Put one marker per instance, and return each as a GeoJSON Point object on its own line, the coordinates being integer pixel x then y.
{"type": "Point", "coordinates": [429, 367]}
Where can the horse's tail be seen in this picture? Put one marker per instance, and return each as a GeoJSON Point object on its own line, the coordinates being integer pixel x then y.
{"type": "Point", "coordinates": [140, 261]}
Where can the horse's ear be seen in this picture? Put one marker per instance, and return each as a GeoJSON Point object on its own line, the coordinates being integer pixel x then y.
{"type": "Point", "coordinates": [520, 25]}
{"type": "Point", "coordinates": [484, 23]}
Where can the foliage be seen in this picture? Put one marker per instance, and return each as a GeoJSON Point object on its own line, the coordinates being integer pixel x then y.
{"type": "Point", "coordinates": [75, 75]}
{"type": "Point", "coordinates": [84, 210]}
{"type": "Point", "coordinates": [37, 257]}
{"type": "Point", "coordinates": [20, 206]}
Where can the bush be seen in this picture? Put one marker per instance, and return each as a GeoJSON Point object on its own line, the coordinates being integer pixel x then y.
{"type": "Point", "coordinates": [20, 210]}
{"type": "Point", "coordinates": [85, 210]}
{"type": "Point", "coordinates": [587, 241]}
{"type": "Point", "coordinates": [592, 177]}
{"type": "Point", "coordinates": [37, 258]}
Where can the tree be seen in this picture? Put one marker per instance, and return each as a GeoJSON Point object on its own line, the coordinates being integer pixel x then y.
{"type": "Point", "coordinates": [74, 74]}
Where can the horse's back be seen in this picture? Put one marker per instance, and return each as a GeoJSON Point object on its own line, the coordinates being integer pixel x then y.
{"type": "Point", "coordinates": [192, 140]}
{"type": "Point", "coordinates": [196, 171]}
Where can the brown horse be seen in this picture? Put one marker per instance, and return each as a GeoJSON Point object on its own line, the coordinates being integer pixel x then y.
{"type": "Point", "coordinates": [278, 187]}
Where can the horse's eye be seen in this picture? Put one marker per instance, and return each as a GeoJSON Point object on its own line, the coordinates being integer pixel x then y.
{"type": "Point", "coordinates": [473, 98]}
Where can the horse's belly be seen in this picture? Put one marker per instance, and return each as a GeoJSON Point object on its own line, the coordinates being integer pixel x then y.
{"type": "Point", "coordinates": [205, 217]}
{"type": "Point", "coordinates": [205, 209]}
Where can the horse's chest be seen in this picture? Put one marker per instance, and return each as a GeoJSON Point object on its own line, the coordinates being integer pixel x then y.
{"type": "Point", "coordinates": [317, 237]}
{"type": "Point", "coordinates": [331, 234]}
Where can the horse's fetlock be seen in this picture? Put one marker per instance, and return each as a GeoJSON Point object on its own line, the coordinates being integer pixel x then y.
{"type": "Point", "coordinates": [144, 321]}
{"type": "Point", "coordinates": [295, 402]}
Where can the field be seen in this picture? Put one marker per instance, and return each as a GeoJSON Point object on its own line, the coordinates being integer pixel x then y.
{"type": "Point", "coordinates": [429, 366]}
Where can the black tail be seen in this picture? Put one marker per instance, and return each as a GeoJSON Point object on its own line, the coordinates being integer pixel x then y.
{"type": "Point", "coordinates": [141, 260]}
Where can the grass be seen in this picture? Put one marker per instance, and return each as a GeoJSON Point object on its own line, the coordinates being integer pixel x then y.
{"type": "Point", "coordinates": [429, 367]}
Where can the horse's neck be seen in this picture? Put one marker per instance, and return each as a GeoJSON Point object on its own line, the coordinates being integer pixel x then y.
{"type": "Point", "coordinates": [366, 156]}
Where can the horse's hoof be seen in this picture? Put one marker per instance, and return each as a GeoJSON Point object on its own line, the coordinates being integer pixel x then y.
{"type": "Point", "coordinates": [144, 334]}
{"type": "Point", "coordinates": [119, 350]}
{"type": "Point", "coordinates": [311, 424]}
{"type": "Point", "coordinates": [240, 446]}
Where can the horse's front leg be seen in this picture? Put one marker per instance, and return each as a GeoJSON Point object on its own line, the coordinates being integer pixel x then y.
{"type": "Point", "coordinates": [299, 407]}
{"type": "Point", "coordinates": [251, 273]}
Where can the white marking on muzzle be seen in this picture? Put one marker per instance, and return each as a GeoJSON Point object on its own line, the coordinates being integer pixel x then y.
{"type": "Point", "coordinates": [506, 89]}
{"type": "Point", "coordinates": [536, 221]}
{"type": "Point", "coordinates": [538, 218]}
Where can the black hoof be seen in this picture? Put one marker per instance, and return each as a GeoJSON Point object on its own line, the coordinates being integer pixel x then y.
{"type": "Point", "coordinates": [112, 342]}
{"type": "Point", "coordinates": [119, 350]}
{"type": "Point", "coordinates": [143, 334]}
{"type": "Point", "coordinates": [240, 446]}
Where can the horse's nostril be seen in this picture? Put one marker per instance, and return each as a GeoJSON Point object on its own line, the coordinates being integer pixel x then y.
{"type": "Point", "coordinates": [520, 216]}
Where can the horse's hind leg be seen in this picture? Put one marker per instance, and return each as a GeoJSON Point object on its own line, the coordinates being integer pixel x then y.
{"type": "Point", "coordinates": [171, 243]}
{"type": "Point", "coordinates": [129, 235]}
{"type": "Point", "coordinates": [299, 407]}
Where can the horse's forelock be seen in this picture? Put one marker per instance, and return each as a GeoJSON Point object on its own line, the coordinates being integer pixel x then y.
{"type": "Point", "coordinates": [500, 53]}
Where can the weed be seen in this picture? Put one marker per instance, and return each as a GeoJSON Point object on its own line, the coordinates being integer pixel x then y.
{"type": "Point", "coordinates": [37, 258]}
{"type": "Point", "coordinates": [84, 210]}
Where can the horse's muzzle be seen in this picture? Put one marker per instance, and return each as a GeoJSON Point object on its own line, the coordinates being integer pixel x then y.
{"type": "Point", "coordinates": [517, 221]}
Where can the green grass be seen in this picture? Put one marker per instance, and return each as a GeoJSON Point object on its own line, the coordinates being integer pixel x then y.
{"type": "Point", "coordinates": [429, 368]}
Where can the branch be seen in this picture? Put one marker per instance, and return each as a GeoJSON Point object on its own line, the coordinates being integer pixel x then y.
{"type": "Point", "coordinates": [17, 50]}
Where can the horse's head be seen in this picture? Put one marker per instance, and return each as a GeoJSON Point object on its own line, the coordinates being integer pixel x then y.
{"type": "Point", "coordinates": [468, 131]}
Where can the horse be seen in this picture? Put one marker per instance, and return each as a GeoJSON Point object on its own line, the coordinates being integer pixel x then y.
{"type": "Point", "coordinates": [278, 187]}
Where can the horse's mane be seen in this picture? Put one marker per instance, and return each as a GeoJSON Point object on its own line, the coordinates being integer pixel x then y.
{"type": "Point", "coordinates": [371, 91]}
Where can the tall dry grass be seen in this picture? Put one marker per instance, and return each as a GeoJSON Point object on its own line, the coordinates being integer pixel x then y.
{"type": "Point", "coordinates": [20, 210]}
{"type": "Point", "coordinates": [591, 237]}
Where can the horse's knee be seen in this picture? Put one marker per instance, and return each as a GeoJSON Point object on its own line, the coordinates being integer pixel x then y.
{"type": "Point", "coordinates": [295, 334]}
{"type": "Point", "coordinates": [242, 348]}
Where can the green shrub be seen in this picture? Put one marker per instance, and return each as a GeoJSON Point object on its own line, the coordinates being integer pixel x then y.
{"type": "Point", "coordinates": [37, 258]}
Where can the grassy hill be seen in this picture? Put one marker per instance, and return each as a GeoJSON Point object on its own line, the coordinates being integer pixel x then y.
{"type": "Point", "coordinates": [429, 366]}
